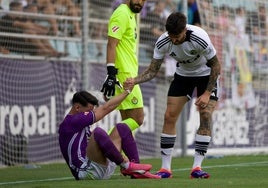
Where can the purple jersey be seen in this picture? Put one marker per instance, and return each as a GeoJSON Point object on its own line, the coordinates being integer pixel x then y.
{"type": "Point", "coordinates": [73, 134]}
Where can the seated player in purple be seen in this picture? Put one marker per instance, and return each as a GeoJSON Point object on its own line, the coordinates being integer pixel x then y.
{"type": "Point", "coordinates": [95, 155]}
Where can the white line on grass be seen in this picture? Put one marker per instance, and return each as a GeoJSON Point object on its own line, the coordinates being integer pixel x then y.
{"type": "Point", "coordinates": [175, 170]}
{"type": "Point", "coordinates": [228, 165]}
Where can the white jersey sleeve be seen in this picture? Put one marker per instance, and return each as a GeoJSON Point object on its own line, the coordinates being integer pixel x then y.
{"type": "Point", "coordinates": [161, 46]}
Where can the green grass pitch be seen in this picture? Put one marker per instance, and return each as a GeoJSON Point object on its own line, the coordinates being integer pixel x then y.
{"type": "Point", "coordinates": [227, 172]}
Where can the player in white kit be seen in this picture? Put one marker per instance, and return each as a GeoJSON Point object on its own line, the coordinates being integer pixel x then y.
{"type": "Point", "coordinates": [197, 68]}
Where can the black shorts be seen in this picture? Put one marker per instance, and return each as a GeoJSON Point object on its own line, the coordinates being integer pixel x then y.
{"type": "Point", "coordinates": [184, 86]}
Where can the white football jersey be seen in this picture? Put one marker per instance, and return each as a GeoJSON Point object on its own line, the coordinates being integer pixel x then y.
{"type": "Point", "coordinates": [191, 55]}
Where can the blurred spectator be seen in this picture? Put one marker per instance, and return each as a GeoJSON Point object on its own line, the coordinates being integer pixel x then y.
{"type": "Point", "coordinates": [193, 16]}
{"type": "Point", "coordinates": [100, 10]}
{"type": "Point", "coordinates": [223, 21]}
{"type": "Point", "coordinates": [256, 29]}
{"type": "Point", "coordinates": [3, 50]}
{"type": "Point", "coordinates": [1, 8]}
{"type": "Point", "coordinates": [170, 7]}
{"type": "Point", "coordinates": [263, 54]}
{"type": "Point", "coordinates": [242, 39]}
{"type": "Point", "coordinates": [46, 7]}
{"type": "Point", "coordinates": [240, 21]}
{"type": "Point", "coordinates": [208, 16]}
{"type": "Point", "coordinates": [39, 29]}
{"type": "Point", "coordinates": [155, 25]}
{"type": "Point", "coordinates": [193, 13]}
{"type": "Point", "coordinates": [263, 20]}
{"type": "Point", "coordinates": [15, 23]}
{"type": "Point", "coordinates": [257, 21]}
{"type": "Point", "coordinates": [23, 2]}
{"type": "Point", "coordinates": [157, 20]}
{"type": "Point", "coordinates": [68, 8]}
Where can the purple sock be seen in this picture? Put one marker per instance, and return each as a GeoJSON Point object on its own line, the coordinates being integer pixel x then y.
{"type": "Point", "coordinates": [106, 145]}
{"type": "Point", "coordinates": [128, 143]}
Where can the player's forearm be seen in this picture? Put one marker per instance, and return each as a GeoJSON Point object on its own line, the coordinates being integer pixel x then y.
{"type": "Point", "coordinates": [150, 72]}
{"type": "Point", "coordinates": [110, 56]}
{"type": "Point", "coordinates": [111, 50]}
{"type": "Point", "coordinates": [214, 74]}
{"type": "Point", "coordinates": [109, 106]}
{"type": "Point", "coordinates": [114, 102]}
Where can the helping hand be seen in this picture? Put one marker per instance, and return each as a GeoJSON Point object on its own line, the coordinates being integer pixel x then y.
{"type": "Point", "coordinates": [129, 84]}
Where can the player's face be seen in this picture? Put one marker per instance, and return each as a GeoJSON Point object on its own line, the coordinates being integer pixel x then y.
{"type": "Point", "coordinates": [178, 39]}
{"type": "Point", "coordinates": [136, 5]}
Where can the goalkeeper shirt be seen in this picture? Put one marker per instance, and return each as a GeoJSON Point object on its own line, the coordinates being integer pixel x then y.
{"type": "Point", "coordinates": [122, 26]}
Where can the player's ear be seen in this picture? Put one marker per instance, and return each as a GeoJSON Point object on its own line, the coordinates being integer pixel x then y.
{"type": "Point", "coordinates": [77, 107]}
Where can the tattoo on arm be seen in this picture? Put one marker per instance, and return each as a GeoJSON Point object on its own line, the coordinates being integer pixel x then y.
{"type": "Point", "coordinates": [215, 66]}
{"type": "Point", "coordinates": [150, 72]}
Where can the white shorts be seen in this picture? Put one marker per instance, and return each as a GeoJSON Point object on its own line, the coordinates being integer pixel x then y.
{"type": "Point", "coordinates": [96, 171]}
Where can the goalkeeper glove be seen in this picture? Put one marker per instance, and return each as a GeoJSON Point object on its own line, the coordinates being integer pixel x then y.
{"type": "Point", "coordinates": [108, 87]}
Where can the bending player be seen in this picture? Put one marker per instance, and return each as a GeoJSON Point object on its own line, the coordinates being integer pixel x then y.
{"type": "Point", "coordinates": [94, 155]}
{"type": "Point", "coordinates": [197, 67]}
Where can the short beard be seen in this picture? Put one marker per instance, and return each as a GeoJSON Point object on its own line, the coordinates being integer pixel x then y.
{"type": "Point", "coordinates": [133, 8]}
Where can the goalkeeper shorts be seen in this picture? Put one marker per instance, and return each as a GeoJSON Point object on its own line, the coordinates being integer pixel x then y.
{"type": "Point", "coordinates": [134, 99]}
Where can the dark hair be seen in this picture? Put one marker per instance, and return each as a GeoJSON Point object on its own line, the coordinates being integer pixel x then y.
{"type": "Point", "coordinates": [14, 4]}
{"type": "Point", "coordinates": [84, 97]}
{"type": "Point", "coordinates": [176, 23]}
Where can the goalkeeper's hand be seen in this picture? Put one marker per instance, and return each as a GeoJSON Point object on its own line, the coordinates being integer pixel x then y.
{"type": "Point", "coordinates": [108, 87]}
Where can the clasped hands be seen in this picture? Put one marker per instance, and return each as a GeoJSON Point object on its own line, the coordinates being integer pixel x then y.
{"type": "Point", "coordinates": [108, 87]}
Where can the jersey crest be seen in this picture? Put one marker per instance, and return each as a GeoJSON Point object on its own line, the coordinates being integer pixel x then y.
{"type": "Point", "coordinates": [134, 100]}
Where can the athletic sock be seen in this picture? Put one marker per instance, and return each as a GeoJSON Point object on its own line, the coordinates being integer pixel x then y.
{"type": "Point", "coordinates": [125, 165]}
{"type": "Point", "coordinates": [107, 147]}
{"type": "Point", "coordinates": [128, 143]}
{"type": "Point", "coordinates": [201, 146]}
{"type": "Point", "coordinates": [167, 145]}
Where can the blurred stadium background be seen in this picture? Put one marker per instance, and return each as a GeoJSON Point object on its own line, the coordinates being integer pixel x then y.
{"type": "Point", "coordinates": [49, 49]}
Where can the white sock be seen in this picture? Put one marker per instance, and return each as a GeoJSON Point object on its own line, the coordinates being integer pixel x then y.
{"type": "Point", "coordinates": [203, 142]}
{"type": "Point", "coordinates": [198, 159]}
{"type": "Point", "coordinates": [167, 146]}
{"type": "Point", "coordinates": [166, 158]}
{"type": "Point", "coordinates": [124, 165]}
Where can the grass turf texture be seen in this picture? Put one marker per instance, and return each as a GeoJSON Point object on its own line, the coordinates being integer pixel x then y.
{"type": "Point", "coordinates": [229, 171]}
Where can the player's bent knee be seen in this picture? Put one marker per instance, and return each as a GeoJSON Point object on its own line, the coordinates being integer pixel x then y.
{"type": "Point", "coordinates": [123, 130]}
{"type": "Point", "coordinates": [99, 134]}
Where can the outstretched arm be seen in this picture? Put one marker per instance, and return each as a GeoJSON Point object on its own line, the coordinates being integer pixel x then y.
{"type": "Point", "coordinates": [150, 72]}
{"type": "Point", "coordinates": [109, 106]}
